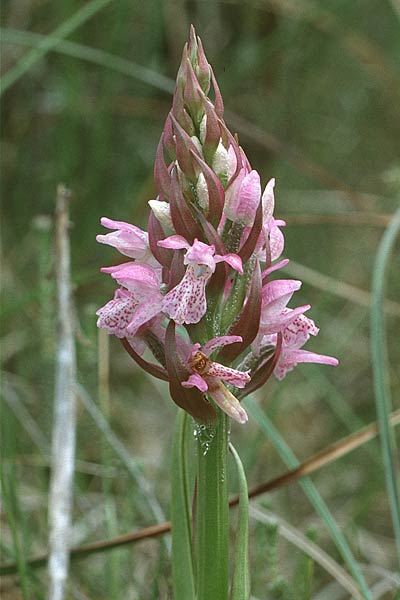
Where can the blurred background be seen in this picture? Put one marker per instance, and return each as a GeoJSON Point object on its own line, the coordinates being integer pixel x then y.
{"type": "Point", "coordinates": [313, 91]}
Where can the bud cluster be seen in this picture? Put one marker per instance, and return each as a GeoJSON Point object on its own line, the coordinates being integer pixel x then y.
{"type": "Point", "coordinates": [198, 286]}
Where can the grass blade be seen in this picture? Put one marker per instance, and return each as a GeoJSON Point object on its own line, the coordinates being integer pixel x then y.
{"type": "Point", "coordinates": [122, 453]}
{"type": "Point", "coordinates": [295, 537]}
{"type": "Point", "coordinates": [380, 369]}
{"type": "Point", "coordinates": [241, 579]}
{"type": "Point", "coordinates": [11, 507]}
{"type": "Point", "coordinates": [311, 492]}
{"type": "Point", "coordinates": [182, 559]}
{"type": "Point", "coordinates": [91, 55]}
{"type": "Point", "coordinates": [49, 42]}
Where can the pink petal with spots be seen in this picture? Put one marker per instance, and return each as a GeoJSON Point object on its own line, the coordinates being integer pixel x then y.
{"type": "Point", "coordinates": [290, 359]}
{"type": "Point", "coordinates": [298, 332]}
{"type": "Point", "coordinates": [186, 302]}
{"type": "Point", "coordinates": [195, 380]}
{"type": "Point", "coordinates": [220, 342]}
{"type": "Point", "coordinates": [274, 323]}
{"type": "Point", "coordinates": [176, 242]}
{"type": "Point", "coordinates": [144, 312]}
{"type": "Point", "coordinates": [116, 315]}
{"type": "Point", "coordinates": [233, 376]}
{"type": "Point", "coordinates": [226, 400]}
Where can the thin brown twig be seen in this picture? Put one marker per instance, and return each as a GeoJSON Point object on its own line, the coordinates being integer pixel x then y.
{"type": "Point", "coordinates": [311, 465]}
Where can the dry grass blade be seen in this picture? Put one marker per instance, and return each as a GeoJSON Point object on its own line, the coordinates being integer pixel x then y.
{"type": "Point", "coordinates": [64, 422]}
{"type": "Point", "coordinates": [294, 536]}
{"type": "Point", "coordinates": [338, 288]}
{"type": "Point", "coordinates": [323, 458]}
{"type": "Point", "coordinates": [329, 454]}
{"type": "Point", "coordinates": [345, 218]}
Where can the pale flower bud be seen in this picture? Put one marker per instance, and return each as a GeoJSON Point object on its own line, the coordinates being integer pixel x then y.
{"type": "Point", "coordinates": [203, 129]}
{"type": "Point", "coordinates": [197, 143]}
{"type": "Point", "coordinates": [221, 162]}
{"type": "Point", "coordinates": [162, 213]}
{"type": "Point", "coordinates": [202, 192]}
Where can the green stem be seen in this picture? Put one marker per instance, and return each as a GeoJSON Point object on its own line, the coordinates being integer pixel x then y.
{"type": "Point", "coordinates": [212, 515]}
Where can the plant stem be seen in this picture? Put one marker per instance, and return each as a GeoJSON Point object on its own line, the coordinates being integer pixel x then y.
{"type": "Point", "coordinates": [212, 515]}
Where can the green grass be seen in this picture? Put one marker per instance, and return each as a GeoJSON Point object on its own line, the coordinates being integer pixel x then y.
{"type": "Point", "coordinates": [319, 84]}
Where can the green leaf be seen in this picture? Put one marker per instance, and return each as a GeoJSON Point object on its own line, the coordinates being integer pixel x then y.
{"type": "Point", "coordinates": [241, 580]}
{"type": "Point", "coordinates": [380, 369]}
{"type": "Point", "coordinates": [311, 492]}
{"type": "Point", "coordinates": [182, 559]}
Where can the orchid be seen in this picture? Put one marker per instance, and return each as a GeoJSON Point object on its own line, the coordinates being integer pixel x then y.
{"type": "Point", "coordinates": [207, 376]}
{"type": "Point", "coordinates": [127, 239]}
{"type": "Point", "coordinates": [131, 310]}
{"type": "Point", "coordinates": [201, 285]}
{"type": "Point", "coordinates": [207, 262]}
{"type": "Point", "coordinates": [186, 302]}
{"type": "Point", "coordinates": [294, 336]}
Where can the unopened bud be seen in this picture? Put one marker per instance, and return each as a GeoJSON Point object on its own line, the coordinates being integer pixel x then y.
{"type": "Point", "coordinates": [221, 163]}
{"type": "Point", "coordinates": [162, 212]}
{"type": "Point", "coordinates": [202, 192]}
{"type": "Point", "coordinates": [243, 197]}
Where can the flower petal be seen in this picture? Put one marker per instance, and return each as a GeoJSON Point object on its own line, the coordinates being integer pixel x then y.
{"type": "Point", "coordinates": [177, 242]}
{"type": "Point", "coordinates": [226, 400]}
{"type": "Point", "coordinates": [290, 358]}
{"type": "Point", "coordinates": [186, 302]}
{"type": "Point", "coordinates": [136, 277]}
{"type": "Point", "coordinates": [298, 332]}
{"type": "Point", "coordinates": [232, 259]}
{"type": "Point", "coordinates": [195, 380]}
{"type": "Point", "coordinates": [116, 315]}
{"type": "Point", "coordinates": [144, 312]}
{"type": "Point", "coordinates": [220, 342]}
{"type": "Point", "coordinates": [268, 201]}
{"type": "Point", "coordinates": [227, 374]}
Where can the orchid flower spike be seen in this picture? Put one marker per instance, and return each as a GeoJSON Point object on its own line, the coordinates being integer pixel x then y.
{"type": "Point", "coordinates": [174, 294]}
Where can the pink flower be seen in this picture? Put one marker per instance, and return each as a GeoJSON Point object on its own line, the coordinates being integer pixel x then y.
{"type": "Point", "coordinates": [208, 376]}
{"type": "Point", "coordinates": [128, 311]}
{"type": "Point", "coordinates": [294, 336]}
{"type": "Point", "coordinates": [242, 197]}
{"type": "Point", "coordinates": [275, 316]}
{"type": "Point", "coordinates": [127, 239]}
{"type": "Point", "coordinates": [186, 302]}
{"type": "Point", "coordinates": [271, 231]}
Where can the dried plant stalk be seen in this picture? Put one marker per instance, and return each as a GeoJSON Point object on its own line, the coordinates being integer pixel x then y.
{"type": "Point", "coordinates": [64, 419]}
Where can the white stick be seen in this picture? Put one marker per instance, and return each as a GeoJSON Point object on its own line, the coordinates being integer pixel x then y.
{"type": "Point", "coordinates": [64, 418]}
